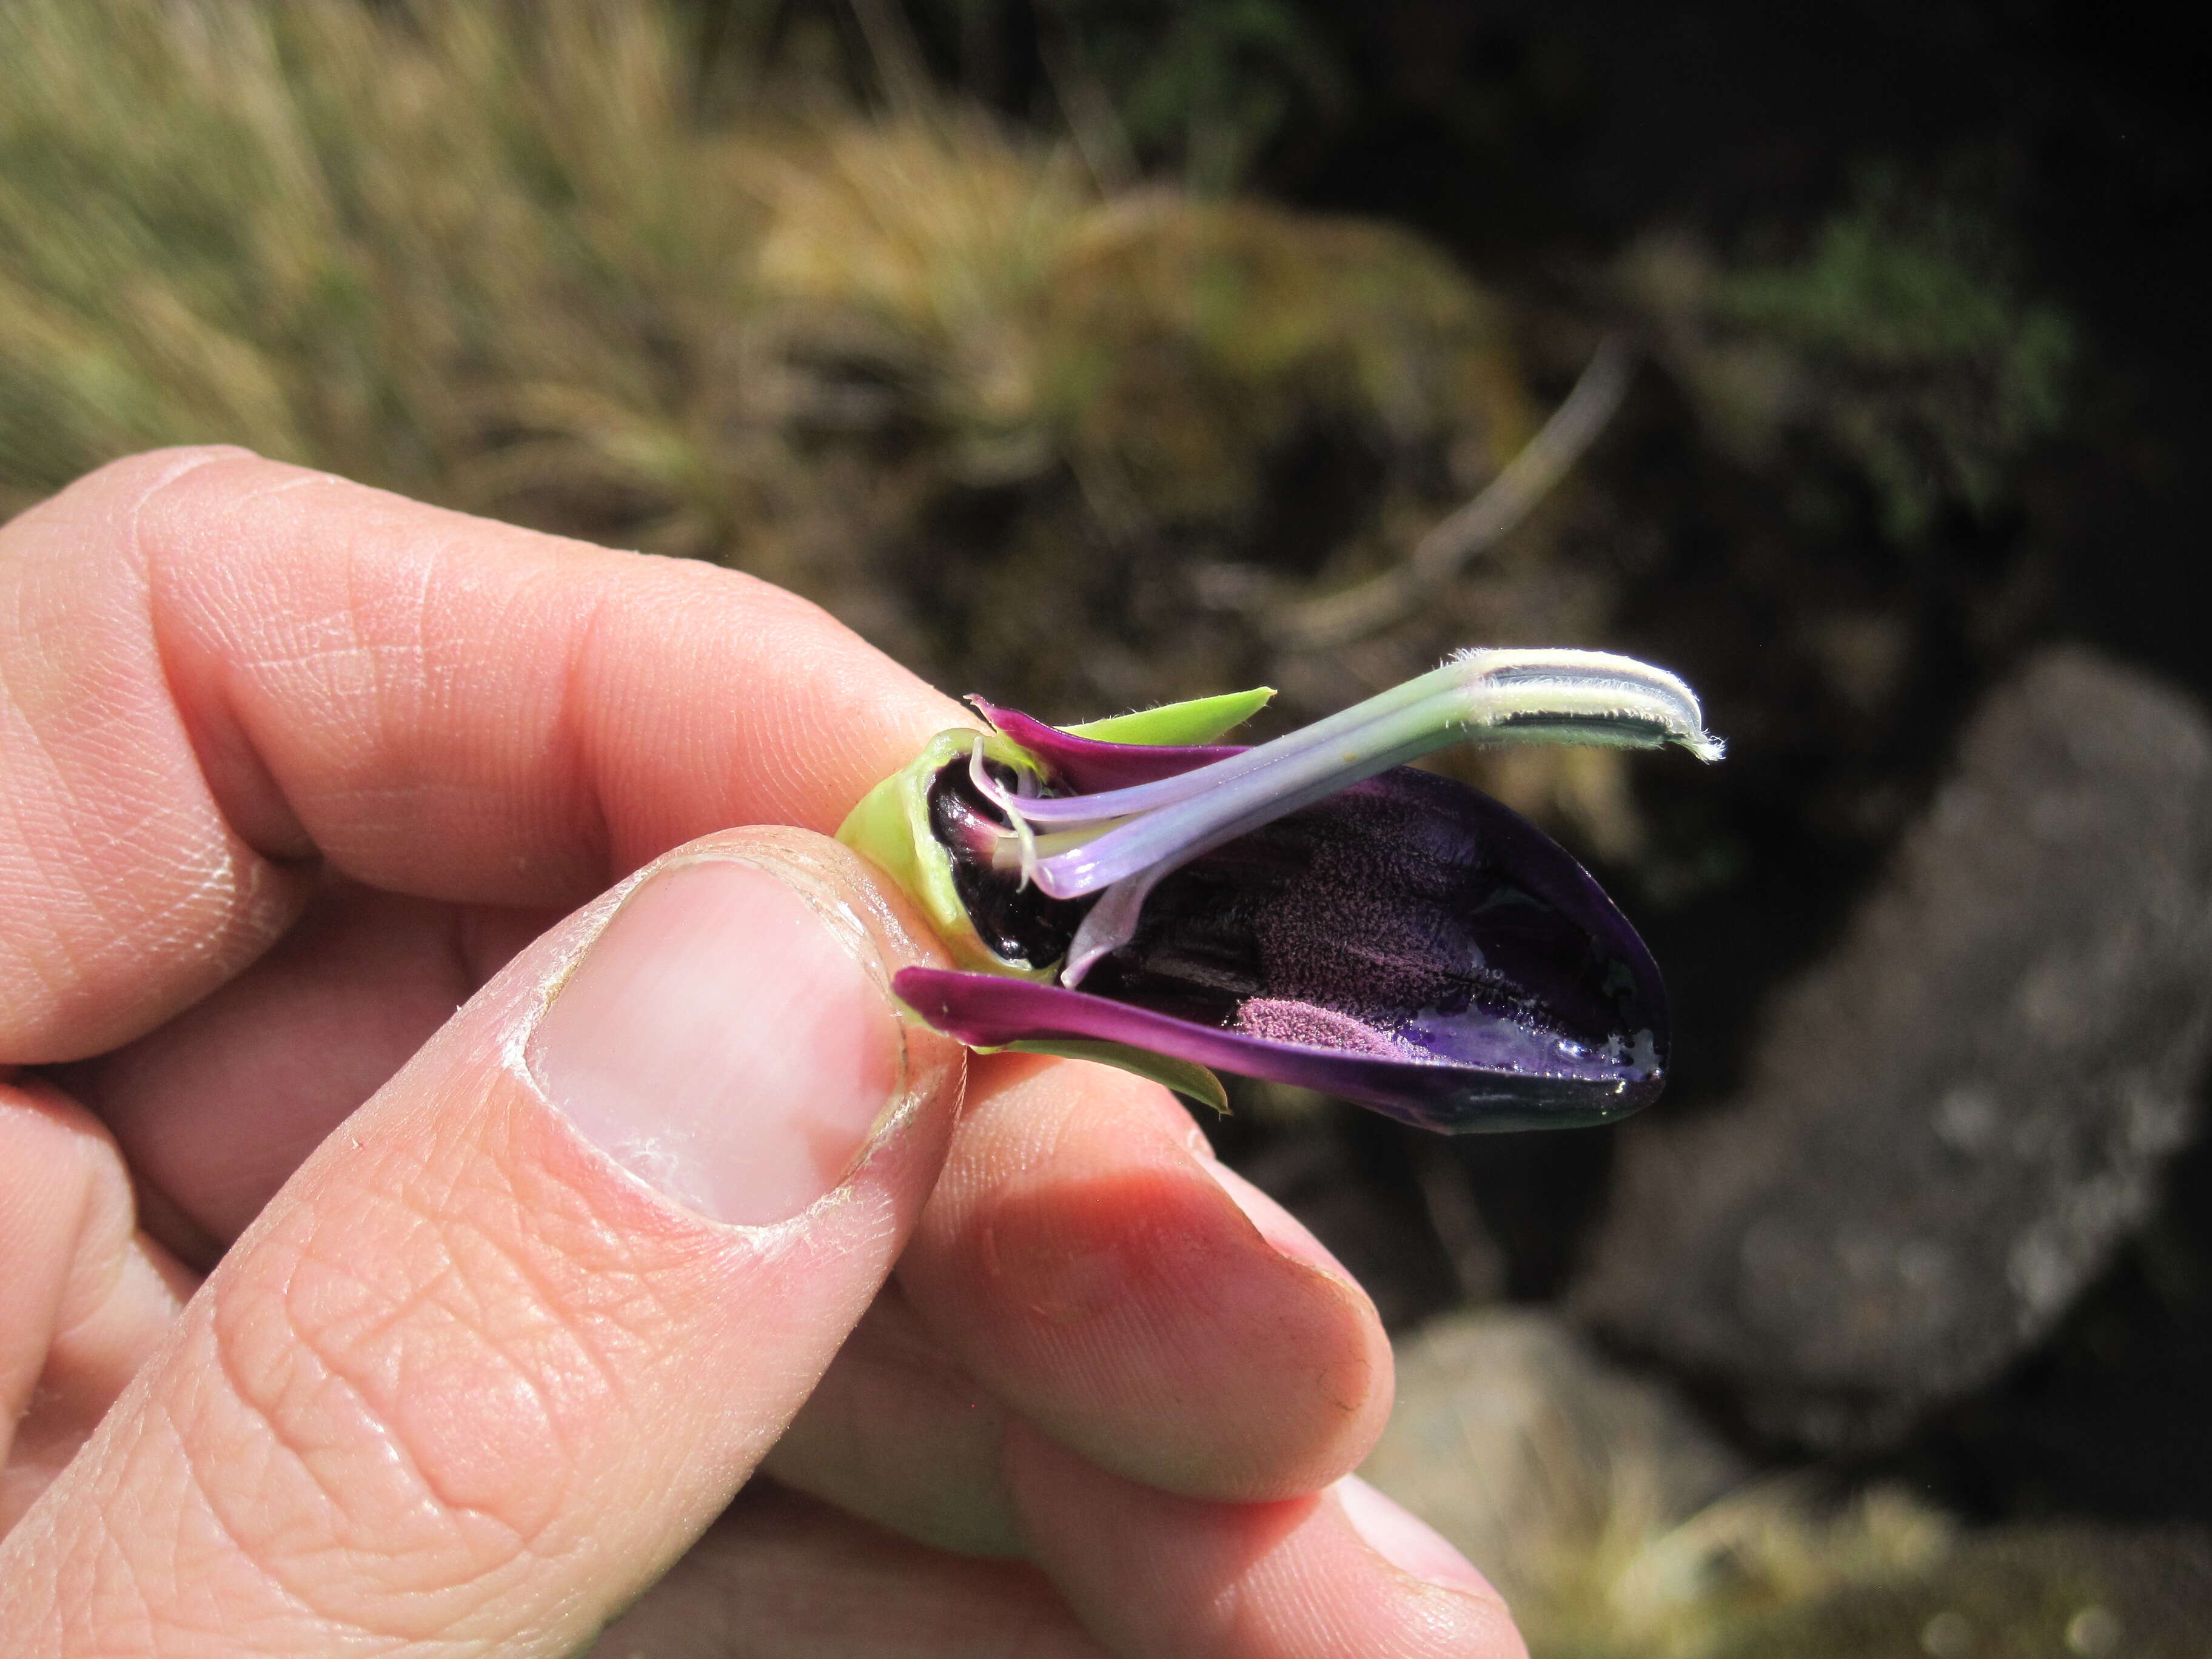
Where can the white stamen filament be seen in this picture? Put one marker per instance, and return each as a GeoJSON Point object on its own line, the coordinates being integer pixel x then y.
{"type": "Point", "coordinates": [1025, 837]}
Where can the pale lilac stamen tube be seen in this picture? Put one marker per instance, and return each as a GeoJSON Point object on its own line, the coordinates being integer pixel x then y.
{"type": "Point", "coordinates": [1581, 696]}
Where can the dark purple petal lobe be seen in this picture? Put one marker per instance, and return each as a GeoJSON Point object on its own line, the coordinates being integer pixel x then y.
{"type": "Point", "coordinates": [1423, 913]}
{"type": "Point", "coordinates": [1409, 944]}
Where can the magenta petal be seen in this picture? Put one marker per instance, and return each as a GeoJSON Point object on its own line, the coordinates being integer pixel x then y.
{"type": "Point", "coordinates": [988, 1010]}
{"type": "Point", "coordinates": [1085, 766]}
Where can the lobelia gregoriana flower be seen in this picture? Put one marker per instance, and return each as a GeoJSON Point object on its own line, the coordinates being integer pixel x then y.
{"type": "Point", "coordinates": [1311, 910]}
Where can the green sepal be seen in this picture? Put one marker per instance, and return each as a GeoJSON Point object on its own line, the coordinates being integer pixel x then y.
{"type": "Point", "coordinates": [1183, 1075]}
{"type": "Point", "coordinates": [1177, 724]}
{"type": "Point", "coordinates": [890, 827]}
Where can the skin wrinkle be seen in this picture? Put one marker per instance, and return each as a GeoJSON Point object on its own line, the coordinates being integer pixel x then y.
{"type": "Point", "coordinates": [239, 899]}
{"type": "Point", "coordinates": [329, 642]}
{"type": "Point", "coordinates": [312, 1551]}
{"type": "Point", "coordinates": [27, 1387]}
{"type": "Point", "coordinates": [162, 1413]}
{"type": "Point", "coordinates": [234, 899]}
{"type": "Point", "coordinates": [596, 1273]}
{"type": "Point", "coordinates": [420, 685]}
{"type": "Point", "coordinates": [571, 735]}
{"type": "Point", "coordinates": [224, 926]}
{"type": "Point", "coordinates": [307, 480]}
{"type": "Point", "coordinates": [525, 1399]}
{"type": "Point", "coordinates": [327, 1629]}
{"type": "Point", "coordinates": [144, 563]}
{"type": "Point", "coordinates": [440, 662]}
{"type": "Point", "coordinates": [268, 1401]}
{"type": "Point", "coordinates": [477, 1589]}
{"type": "Point", "coordinates": [512, 619]}
{"type": "Point", "coordinates": [37, 902]}
{"type": "Point", "coordinates": [140, 1602]}
{"type": "Point", "coordinates": [380, 707]}
{"type": "Point", "coordinates": [32, 966]}
{"type": "Point", "coordinates": [104, 1207]}
{"type": "Point", "coordinates": [476, 1317]}
{"type": "Point", "coordinates": [545, 1295]}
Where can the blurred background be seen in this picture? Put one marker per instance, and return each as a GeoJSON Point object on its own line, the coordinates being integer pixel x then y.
{"type": "Point", "coordinates": [1093, 353]}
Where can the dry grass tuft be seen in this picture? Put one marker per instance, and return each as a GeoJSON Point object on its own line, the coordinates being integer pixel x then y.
{"type": "Point", "coordinates": [1636, 1584]}
{"type": "Point", "coordinates": [418, 249]}
{"type": "Point", "coordinates": [528, 264]}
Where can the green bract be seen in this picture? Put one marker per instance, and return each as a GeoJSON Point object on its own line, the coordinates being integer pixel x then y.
{"type": "Point", "coordinates": [890, 828]}
{"type": "Point", "coordinates": [1199, 720]}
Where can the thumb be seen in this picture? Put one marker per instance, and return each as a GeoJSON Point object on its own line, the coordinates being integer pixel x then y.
{"type": "Point", "coordinates": [509, 1339]}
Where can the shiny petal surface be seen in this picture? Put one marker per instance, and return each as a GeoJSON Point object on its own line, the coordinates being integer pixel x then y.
{"type": "Point", "coordinates": [986, 1010]}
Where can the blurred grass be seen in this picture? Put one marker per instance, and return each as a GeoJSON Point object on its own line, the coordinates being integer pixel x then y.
{"type": "Point", "coordinates": [392, 245]}
{"type": "Point", "coordinates": [558, 265]}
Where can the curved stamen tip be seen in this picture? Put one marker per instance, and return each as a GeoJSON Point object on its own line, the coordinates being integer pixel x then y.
{"type": "Point", "coordinates": [1581, 696]}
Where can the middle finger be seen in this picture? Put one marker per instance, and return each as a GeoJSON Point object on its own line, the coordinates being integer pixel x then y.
{"type": "Point", "coordinates": [1091, 1266]}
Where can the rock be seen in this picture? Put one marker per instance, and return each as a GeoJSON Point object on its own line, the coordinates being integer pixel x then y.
{"type": "Point", "coordinates": [1518, 1442]}
{"type": "Point", "coordinates": [1950, 1122]}
{"type": "Point", "coordinates": [1616, 1525]}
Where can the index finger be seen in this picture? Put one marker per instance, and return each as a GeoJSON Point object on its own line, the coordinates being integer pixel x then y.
{"type": "Point", "coordinates": [217, 669]}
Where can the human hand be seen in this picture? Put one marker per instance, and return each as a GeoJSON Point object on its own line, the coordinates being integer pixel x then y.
{"type": "Point", "coordinates": [501, 1306]}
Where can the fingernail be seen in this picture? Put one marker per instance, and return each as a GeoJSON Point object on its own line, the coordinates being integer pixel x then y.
{"type": "Point", "coordinates": [722, 1043]}
{"type": "Point", "coordinates": [1405, 1540]}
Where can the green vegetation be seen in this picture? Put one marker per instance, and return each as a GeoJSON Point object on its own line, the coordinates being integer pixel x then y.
{"type": "Point", "coordinates": [1937, 369]}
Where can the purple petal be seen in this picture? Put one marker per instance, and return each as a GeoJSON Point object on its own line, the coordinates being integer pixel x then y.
{"type": "Point", "coordinates": [986, 1010]}
{"type": "Point", "coordinates": [1409, 944]}
{"type": "Point", "coordinates": [1087, 765]}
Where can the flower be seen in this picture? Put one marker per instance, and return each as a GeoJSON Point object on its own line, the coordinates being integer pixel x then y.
{"type": "Point", "coordinates": [1311, 911]}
